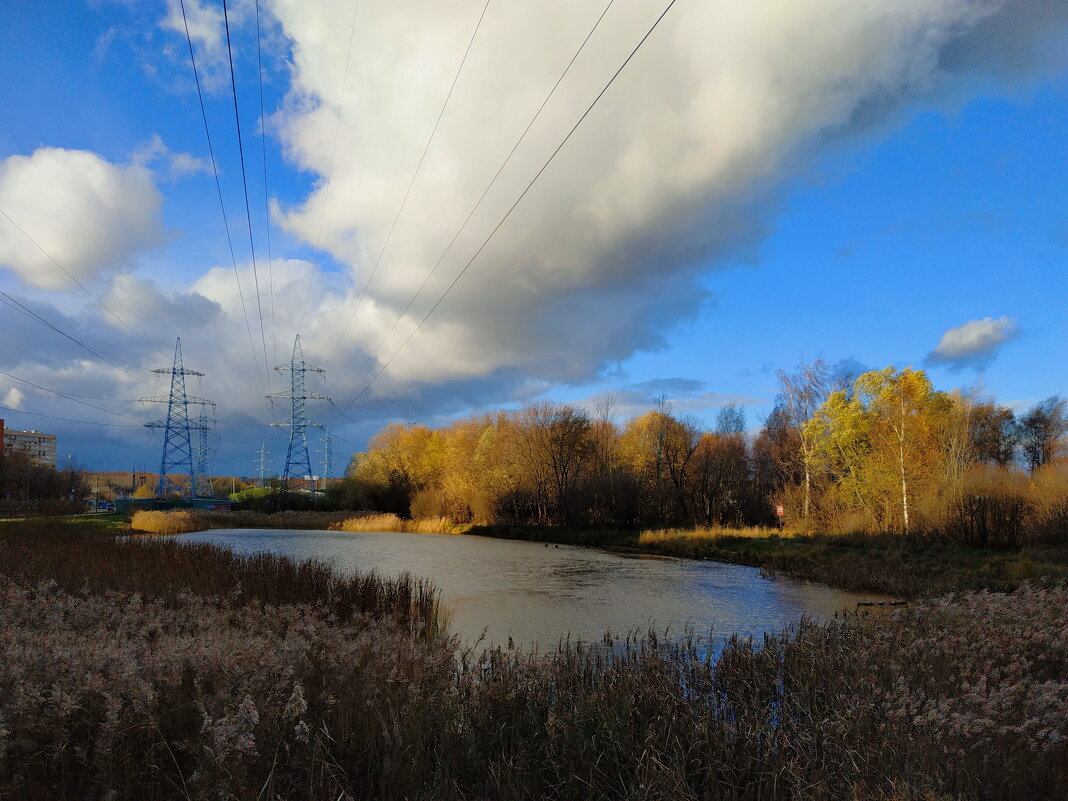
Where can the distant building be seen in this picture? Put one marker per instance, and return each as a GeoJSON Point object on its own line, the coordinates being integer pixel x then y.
{"type": "Point", "coordinates": [40, 447]}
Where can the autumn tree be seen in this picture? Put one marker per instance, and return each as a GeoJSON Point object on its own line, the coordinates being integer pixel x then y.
{"type": "Point", "coordinates": [898, 405]}
{"type": "Point", "coordinates": [558, 438]}
{"type": "Point", "coordinates": [800, 395]}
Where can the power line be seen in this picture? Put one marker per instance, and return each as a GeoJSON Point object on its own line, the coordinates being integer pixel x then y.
{"type": "Point", "coordinates": [218, 189]}
{"type": "Point", "coordinates": [70, 420]}
{"type": "Point", "coordinates": [244, 185]}
{"type": "Point", "coordinates": [107, 255]}
{"type": "Point", "coordinates": [266, 191]}
{"type": "Point", "coordinates": [11, 302]}
{"type": "Point", "coordinates": [512, 208]}
{"type": "Point", "coordinates": [330, 169]}
{"type": "Point", "coordinates": [83, 287]}
{"type": "Point", "coordinates": [411, 183]}
{"type": "Point", "coordinates": [65, 395]}
{"type": "Point", "coordinates": [478, 203]}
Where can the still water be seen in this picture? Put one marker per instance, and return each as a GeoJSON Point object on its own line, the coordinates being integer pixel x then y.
{"type": "Point", "coordinates": [537, 595]}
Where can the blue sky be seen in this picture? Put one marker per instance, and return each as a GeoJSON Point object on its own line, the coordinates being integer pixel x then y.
{"type": "Point", "coordinates": [741, 199]}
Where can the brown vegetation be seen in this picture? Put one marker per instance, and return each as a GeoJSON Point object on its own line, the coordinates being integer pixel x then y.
{"type": "Point", "coordinates": [28, 488]}
{"type": "Point", "coordinates": [180, 521]}
{"type": "Point", "coordinates": [166, 568]}
{"type": "Point", "coordinates": [151, 692]}
{"type": "Point", "coordinates": [391, 522]}
{"type": "Point", "coordinates": [883, 452]}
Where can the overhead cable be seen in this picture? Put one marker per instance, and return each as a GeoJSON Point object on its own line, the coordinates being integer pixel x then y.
{"type": "Point", "coordinates": [512, 208]}
{"type": "Point", "coordinates": [478, 203]}
{"type": "Point", "coordinates": [218, 189]}
{"type": "Point", "coordinates": [83, 287]}
{"type": "Point", "coordinates": [411, 183]}
{"type": "Point", "coordinates": [244, 186]}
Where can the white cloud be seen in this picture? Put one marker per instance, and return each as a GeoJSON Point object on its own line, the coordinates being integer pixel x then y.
{"type": "Point", "coordinates": [173, 165]}
{"type": "Point", "coordinates": [974, 344]}
{"type": "Point", "coordinates": [90, 215]}
{"type": "Point", "coordinates": [13, 398]}
{"type": "Point", "coordinates": [205, 29]}
{"type": "Point", "coordinates": [678, 166]}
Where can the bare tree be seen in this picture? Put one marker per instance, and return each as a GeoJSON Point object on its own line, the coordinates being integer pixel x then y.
{"type": "Point", "coordinates": [800, 395]}
{"type": "Point", "coordinates": [559, 439]}
{"type": "Point", "coordinates": [1042, 431]}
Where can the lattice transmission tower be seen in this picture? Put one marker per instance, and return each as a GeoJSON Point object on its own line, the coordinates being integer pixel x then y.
{"type": "Point", "coordinates": [327, 450]}
{"type": "Point", "coordinates": [263, 463]}
{"type": "Point", "coordinates": [298, 461]}
{"type": "Point", "coordinates": [178, 467]}
{"type": "Point", "coordinates": [203, 451]}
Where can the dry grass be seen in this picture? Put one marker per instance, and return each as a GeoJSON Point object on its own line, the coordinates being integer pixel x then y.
{"type": "Point", "coordinates": [393, 523]}
{"type": "Point", "coordinates": [175, 521]}
{"type": "Point", "coordinates": [717, 533]}
{"type": "Point", "coordinates": [165, 568]}
{"type": "Point", "coordinates": [180, 521]}
{"type": "Point", "coordinates": [116, 683]}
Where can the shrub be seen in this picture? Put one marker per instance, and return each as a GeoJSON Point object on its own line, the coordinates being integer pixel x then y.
{"type": "Point", "coordinates": [173, 521]}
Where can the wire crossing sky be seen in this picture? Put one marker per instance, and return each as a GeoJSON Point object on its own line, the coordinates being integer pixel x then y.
{"type": "Point", "coordinates": [471, 205]}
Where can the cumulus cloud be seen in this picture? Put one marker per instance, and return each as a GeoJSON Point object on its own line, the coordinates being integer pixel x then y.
{"type": "Point", "coordinates": [677, 168]}
{"type": "Point", "coordinates": [974, 344]}
{"type": "Point", "coordinates": [171, 164]}
{"type": "Point", "coordinates": [205, 23]}
{"type": "Point", "coordinates": [88, 214]}
{"type": "Point", "coordinates": [13, 398]}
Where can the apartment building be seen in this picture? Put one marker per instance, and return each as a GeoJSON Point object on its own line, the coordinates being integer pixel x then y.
{"type": "Point", "coordinates": [40, 447]}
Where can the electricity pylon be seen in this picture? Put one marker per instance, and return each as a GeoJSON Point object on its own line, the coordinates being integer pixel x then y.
{"type": "Point", "coordinates": [177, 436]}
{"type": "Point", "coordinates": [326, 450]}
{"type": "Point", "coordinates": [202, 453]}
{"type": "Point", "coordinates": [263, 463]}
{"type": "Point", "coordinates": [298, 461]}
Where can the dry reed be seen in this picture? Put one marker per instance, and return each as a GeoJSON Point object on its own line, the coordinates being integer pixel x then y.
{"type": "Point", "coordinates": [115, 683]}
{"type": "Point", "coordinates": [393, 523]}
{"type": "Point", "coordinates": [715, 533]}
{"type": "Point", "coordinates": [180, 521]}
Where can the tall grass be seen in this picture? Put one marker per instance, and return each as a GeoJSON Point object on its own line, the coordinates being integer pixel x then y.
{"type": "Point", "coordinates": [391, 522]}
{"type": "Point", "coordinates": [115, 683]}
{"type": "Point", "coordinates": [716, 533]}
{"type": "Point", "coordinates": [179, 521]}
{"type": "Point", "coordinates": [167, 569]}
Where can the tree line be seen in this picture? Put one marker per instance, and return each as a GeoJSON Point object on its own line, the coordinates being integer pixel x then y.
{"type": "Point", "coordinates": [29, 487]}
{"type": "Point", "coordinates": [882, 451]}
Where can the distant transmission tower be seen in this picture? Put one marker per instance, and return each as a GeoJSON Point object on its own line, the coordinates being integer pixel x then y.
{"type": "Point", "coordinates": [298, 462]}
{"type": "Point", "coordinates": [263, 463]}
{"type": "Point", "coordinates": [177, 432]}
{"type": "Point", "coordinates": [326, 450]}
{"type": "Point", "coordinates": [203, 451]}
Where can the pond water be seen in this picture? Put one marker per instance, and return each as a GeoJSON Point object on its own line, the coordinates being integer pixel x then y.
{"type": "Point", "coordinates": [537, 595]}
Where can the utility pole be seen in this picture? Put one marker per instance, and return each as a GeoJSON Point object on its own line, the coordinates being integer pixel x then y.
{"type": "Point", "coordinates": [177, 431]}
{"type": "Point", "coordinates": [298, 462]}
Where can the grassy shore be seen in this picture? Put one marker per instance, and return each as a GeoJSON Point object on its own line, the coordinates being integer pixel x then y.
{"type": "Point", "coordinates": [149, 668]}
{"type": "Point", "coordinates": [905, 567]}
{"type": "Point", "coordinates": [885, 564]}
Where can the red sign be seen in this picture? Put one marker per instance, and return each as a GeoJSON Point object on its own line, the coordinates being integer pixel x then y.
{"type": "Point", "coordinates": [779, 511]}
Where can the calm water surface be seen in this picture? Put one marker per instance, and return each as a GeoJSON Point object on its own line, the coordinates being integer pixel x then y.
{"type": "Point", "coordinates": [537, 595]}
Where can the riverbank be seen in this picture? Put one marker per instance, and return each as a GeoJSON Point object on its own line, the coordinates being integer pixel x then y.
{"type": "Point", "coordinates": [154, 668]}
{"type": "Point", "coordinates": [885, 564]}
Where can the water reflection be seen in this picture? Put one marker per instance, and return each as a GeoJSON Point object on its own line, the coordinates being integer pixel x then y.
{"type": "Point", "coordinates": [538, 595]}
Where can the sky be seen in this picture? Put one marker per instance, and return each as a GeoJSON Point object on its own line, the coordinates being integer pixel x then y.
{"type": "Point", "coordinates": [470, 205]}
